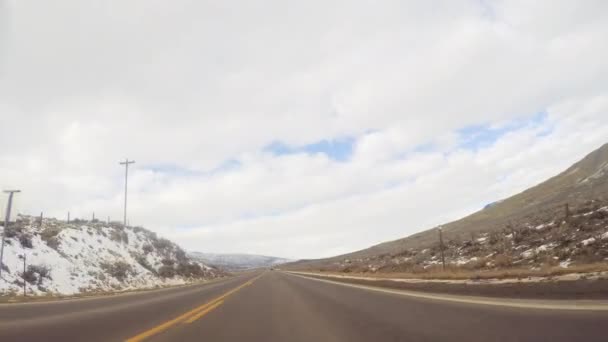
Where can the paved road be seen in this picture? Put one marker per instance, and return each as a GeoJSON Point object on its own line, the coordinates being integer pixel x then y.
{"type": "Point", "coordinates": [274, 306]}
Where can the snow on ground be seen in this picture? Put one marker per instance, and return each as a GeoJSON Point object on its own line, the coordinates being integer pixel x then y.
{"type": "Point", "coordinates": [84, 259]}
{"type": "Point", "coordinates": [545, 247]}
{"type": "Point", "coordinates": [588, 241]}
{"type": "Point", "coordinates": [533, 251]}
{"type": "Point", "coordinates": [544, 225]}
{"type": "Point", "coordinates": [464, 260]}
{"type": "Point", "coordinates": [527, 253]}
{"type": "Point", "coordinates": [598, 174]}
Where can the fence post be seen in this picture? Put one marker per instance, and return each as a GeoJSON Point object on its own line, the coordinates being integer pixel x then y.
{"type": "Point", "coordinates": [441, 248]}
{"type": "Point", "coordinates": [24, 293]}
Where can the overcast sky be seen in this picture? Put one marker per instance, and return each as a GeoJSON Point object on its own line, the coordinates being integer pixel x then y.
{"type": "Point", "coordinates": [294, 128]}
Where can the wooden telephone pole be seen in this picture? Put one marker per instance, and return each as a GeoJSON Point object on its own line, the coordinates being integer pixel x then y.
{"type": "Point", "coordinates": [440, 229]}
{"type": "Point", "coordinates": [126, 163]}
{"type": "Point", "coordinates": [7, 219]}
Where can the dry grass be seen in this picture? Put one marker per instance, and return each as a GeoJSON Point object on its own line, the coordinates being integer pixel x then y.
{"type": "Point", "coordinates": [17, 297]}
{"type": "Point", "coordinates": [462, 274]}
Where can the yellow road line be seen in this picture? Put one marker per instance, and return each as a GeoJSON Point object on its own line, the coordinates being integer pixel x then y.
{"type": "Point", "coordinates": [164, 326]}
{"type": "Point", "coordinates": [204, 312]}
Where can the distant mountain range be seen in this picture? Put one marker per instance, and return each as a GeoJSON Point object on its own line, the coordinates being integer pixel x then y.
{"type": "Point", "coordinates": [583, 187]}
{"type": "Point", "coordinates": [237, 262]}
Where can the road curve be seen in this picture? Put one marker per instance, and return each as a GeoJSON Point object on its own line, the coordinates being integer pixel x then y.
{"type": "Point", "coordinates": [275, 306]}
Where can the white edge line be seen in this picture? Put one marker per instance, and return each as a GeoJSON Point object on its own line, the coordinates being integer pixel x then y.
{"type": "Point", "coordinates": [479, 301]}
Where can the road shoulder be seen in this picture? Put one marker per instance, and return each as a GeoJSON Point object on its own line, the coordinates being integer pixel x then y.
{"type": "Point", "coordinates": [543, 304]}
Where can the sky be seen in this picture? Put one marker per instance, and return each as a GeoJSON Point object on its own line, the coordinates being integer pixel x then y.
{"type": "Point", "coordinates": [299, 129]}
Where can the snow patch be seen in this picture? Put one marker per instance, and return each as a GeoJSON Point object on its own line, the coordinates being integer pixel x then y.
{"type": "Point", "coordinates": [83, 258]}
{"type": "Point", "coordinates": [588, 241]}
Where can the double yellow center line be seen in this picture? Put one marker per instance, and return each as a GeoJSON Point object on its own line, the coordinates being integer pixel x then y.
{"type": "Point", "coordinates": [191, 315]}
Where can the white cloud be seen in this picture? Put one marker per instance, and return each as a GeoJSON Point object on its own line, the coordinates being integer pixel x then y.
{"type": "Point", "coordinates": [185, 87]}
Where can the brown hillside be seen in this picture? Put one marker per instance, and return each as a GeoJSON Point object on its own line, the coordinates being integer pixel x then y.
{"type": "Point", "coordinates": [583, 181]}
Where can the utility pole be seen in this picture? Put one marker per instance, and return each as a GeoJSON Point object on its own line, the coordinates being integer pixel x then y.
{"type": "Point", "coordinates": [93, 219]}
{"type": "Point", "coordinates": [40, 226]}
{"type": "Point", "coordinates": [126, 164]}
{"type": "Point", "coordinates": [68, 217]}
{"type": "Point", "coordinates": [441, 247]}
{"type": "Point", "coordinates": [7, 219]}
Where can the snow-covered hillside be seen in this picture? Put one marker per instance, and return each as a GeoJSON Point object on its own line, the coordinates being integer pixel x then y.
{"type": "Point", "coordinates": [92, 256]}
{"type": "Point", "coordinates": [236, 262]}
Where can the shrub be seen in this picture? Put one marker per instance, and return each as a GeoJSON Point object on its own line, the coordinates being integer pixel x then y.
{"type": "Point", "coordinates": [180, 255]}
{"type": "Point", "coordinates": [475, 264]}
{"type": "Point", "coordinates": [26, 241]}
{"type": "Point", "coordinates": [576, 222]}
{"type": "Point", "coordinates": [147, 248]}
{"type": "Point", "coordinates": [563, 254]}
{"type": "Point", "coordinates": [35, 274]}
{"type": "Point", "coordinates": [517, 236]}
{"type": "Point", "coordinates": [119, 269]}
{"type": "Point", "coordinates": [10, 232]}
{"type": "Point", "coordinates": [49, 233]}
{"type": "Point", "coordinates": [405, 253]}
{"type": "Point", "coordinates": [54, 243]}
{"type": "Point", "coordinates": [119, 235]}
{"type": "Point", "coordinates": [168, 262]}
{"type": "Point", "coordinates": [494, 238]}
{"type": "Point", "coordinates": [15, 229]}
{"type": "Point", "coordinates": [166, 271]}
{"type": "Point", "coordinates": [599, 215]}
{"type": "Point", "coordinates": [587, 255]}
{"type": "Point", "coordinates": [138, 229]}
{"type": "Point", "coordinates": [141, 259]}
{"type": "Point", "coordinates": [189, 270]}
{"type": "Point", "coordinates": [162, 244]}
{"type": "Point", "coordinates": [503, 260]}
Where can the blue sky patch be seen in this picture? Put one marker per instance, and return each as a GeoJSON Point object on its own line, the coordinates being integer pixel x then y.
{"type": "Point", "coordinates": [475, 137]}
{"type": "Point", "coordinates": [176, 170]}
{"type": "Point", "coordinates": [172, 169]}
{"type": "Point", "coordinates": [336, 149]}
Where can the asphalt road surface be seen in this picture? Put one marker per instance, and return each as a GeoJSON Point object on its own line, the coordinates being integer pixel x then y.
{"type": "Point", "coordinates": [276, 306]}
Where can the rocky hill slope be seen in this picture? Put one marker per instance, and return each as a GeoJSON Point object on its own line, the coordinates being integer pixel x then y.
{"type": "Point", "coordinates": [521, 230]}
{"type": "Point", "coordinates": [238, 262]}
{"type": "Point", "coordinates": [85, 256]}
